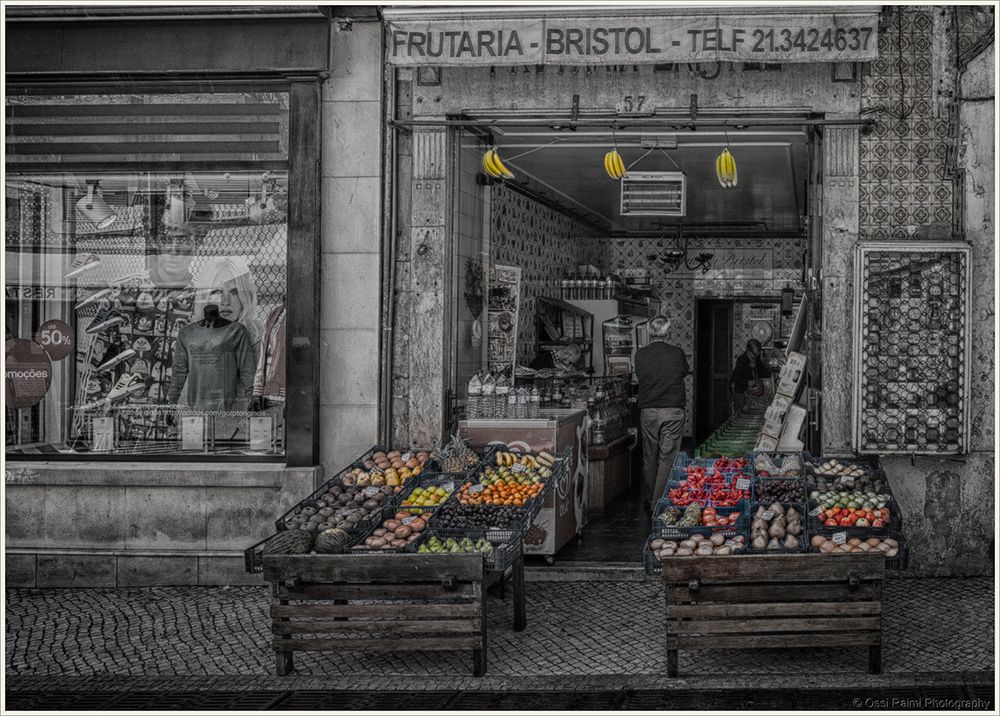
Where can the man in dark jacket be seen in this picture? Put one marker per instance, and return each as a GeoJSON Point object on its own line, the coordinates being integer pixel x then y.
{"type": "Point", "coordinates": [749, 370]}
{"type": "Point", "coordinates": [660, 369]}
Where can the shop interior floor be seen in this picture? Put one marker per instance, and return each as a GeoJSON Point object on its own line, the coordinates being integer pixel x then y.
{"type": "Point", "coordinates": [616, 536]}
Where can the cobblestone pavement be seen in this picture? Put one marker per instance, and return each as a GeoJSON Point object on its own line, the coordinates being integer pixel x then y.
{"type": "Point", "coordinates": [575, 628]}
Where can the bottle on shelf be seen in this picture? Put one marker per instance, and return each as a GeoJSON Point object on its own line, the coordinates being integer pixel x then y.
{"type": "Point", "coordinates": [535, 403]}
{"type": "Point", "coordinates": [474, 396]}
{"type": "Point", "coordinates": [486, 402]}
{"type": "Point", "coordinates": [523, 398]}
{"type": "Point", "coordinates": [598, 425]}
{"type": "Point", "coordinates": [512, 408]}
{"type": "Point", "coordinates": [501, 393]}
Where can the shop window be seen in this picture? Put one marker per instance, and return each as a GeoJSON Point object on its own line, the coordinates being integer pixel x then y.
{"type": "Point", "coordinates": [143, 301]}
{"type": "Point", "coordinates": [912, 359]}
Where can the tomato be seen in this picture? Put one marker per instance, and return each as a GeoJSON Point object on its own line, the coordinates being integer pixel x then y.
{"type": "Point", "coordinates": [846, 521]}
{"type": "Point", "coordinates": [831, 522]}
{"type": "Point", "coordinates": [878, 523]}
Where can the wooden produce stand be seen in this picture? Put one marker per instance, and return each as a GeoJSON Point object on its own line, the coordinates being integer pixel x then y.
{"type": "Point", "coordinates": [377, 602]}
{"type": "Point", "coordinates": [774, 600]}
{"type": "Point", "coordinates": [609, 471]}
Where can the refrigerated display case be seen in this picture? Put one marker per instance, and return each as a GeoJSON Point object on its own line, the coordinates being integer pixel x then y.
{"type": "Point", "coordinates": [564, 514]}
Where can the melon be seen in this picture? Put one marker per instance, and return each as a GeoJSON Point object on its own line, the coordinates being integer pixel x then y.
{"type": "Point", "coordinates": [332, 541]}
{"type": "Point", "coordinates": [290, 542]}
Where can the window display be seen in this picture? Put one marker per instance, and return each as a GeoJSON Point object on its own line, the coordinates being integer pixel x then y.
{"type": "Point", "coordinates": [160, 296]}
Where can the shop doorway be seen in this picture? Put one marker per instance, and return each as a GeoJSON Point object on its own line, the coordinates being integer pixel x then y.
{"type": "Point", "coordinates": [563, 223]}
{"type": "Point", "coordinates": [712, 365]}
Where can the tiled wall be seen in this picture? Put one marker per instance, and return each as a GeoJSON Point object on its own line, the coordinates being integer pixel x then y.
{"type": "Point", "coordinates": [546, 244]}
{"type": "Point", "coordinates": [679, 290]}
{"type": "Point", "coordinates": [904, 175]}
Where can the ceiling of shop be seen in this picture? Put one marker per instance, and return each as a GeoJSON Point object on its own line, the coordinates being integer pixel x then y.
{"type": "Point", "coordinates": [567, 168]}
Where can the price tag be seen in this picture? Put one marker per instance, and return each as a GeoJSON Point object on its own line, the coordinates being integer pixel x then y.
{"type": "Point", "coordinates": [192, 432]}
{"type": "Point", "coordinates": [408, 520]}
{"type": "Point", "coordinates": [372, 491]}
{"type": "Point", "coordinates": [768, 515]}
{"type": "Point", "coordinates": [839, 537]}
{"type": "Point", "coordinates": [816, 510]}
{"type": "Point", "coordinates": [743, 483]}
{"type": "Point", "coordinates": [476, 489]}
{"type": "Point", "coordinates": [449, 486]}
{"type": "Point", "coordinates": [518, 468]}
{"type": "Point", "coordinates": [405, 457]}
{"type": "Point", "coordinates": [104, 435]}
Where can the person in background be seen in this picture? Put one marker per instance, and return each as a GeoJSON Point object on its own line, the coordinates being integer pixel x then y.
{"type": "Point", "coordinates": [660, 369]}
{"type": "Point", "coordinates": [747, 375]}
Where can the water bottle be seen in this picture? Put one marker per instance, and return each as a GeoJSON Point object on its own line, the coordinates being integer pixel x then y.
{"type": "Point", "coordinates": [512, 404]}
{"type": "Point", "coordinates": [474, 397]}
{"type": "Point", "coordinates": [486, 402]}
{"type": "Point", "coordinates": [522, 403]}
{"type": "Point", "coordinates": [502, 391]}
{"type": "Point", "coordinates": [535, 403]}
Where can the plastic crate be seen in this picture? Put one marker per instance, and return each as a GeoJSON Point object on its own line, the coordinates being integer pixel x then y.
{"type": "Point", "coordinates": [897, 563]}
{"type": "Point", "coordinates": [456, 479]}
{"type": "Point", "coordinates": [505, 551]}
{"type": "Point", "coordinates": [516, 528]}
{"type": "Point", "coordinates": [388, 512]}
{"type": "Point", "coordinates": [253, 557]}
{"type": "Point", "coordinates": [762, 483]}
{"type": "Point", "coordinates": [729, 480]}
{"type": "Point", "coordinates": [653, 565]}
{"type": "Point", "coordinates": [803, 538]}
{"type": "Point", "coordinates": [682, 461]}
{"type": "Point", "coordinates": [673, 532]}
{"type": "Point", "coordinates": [281, 526]}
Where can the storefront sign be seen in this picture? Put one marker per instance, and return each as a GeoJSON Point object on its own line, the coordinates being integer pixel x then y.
{"type": "Point", "coordinates": [793, 37]}
{"type": "Point", "coordinates": [28, 373]}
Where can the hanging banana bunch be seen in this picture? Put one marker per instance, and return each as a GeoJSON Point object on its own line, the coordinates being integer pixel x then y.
{"type": "Point", "coordinates": [494, 167]}
{"type": "Point", "coordinates": [725, 169]}
{"type": "Point", "coordinates": [614, 165]}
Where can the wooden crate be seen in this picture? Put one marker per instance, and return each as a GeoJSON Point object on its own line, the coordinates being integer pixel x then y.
{"type": "Point", "coordinates": [377, 602]}
{"type": "Point", "coordinates": [774, 601]}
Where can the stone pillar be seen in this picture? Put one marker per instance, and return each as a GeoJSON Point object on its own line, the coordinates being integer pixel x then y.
{"type": "Point", "coordinates": [840, 237]}
{"type": "Point", "coordinates": [427, 315]}
{"type": "Point", "coordinates": [351, 244]}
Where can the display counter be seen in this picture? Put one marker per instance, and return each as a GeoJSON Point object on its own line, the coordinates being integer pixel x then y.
{"type": "Point", "coordinates": [609, 471]}
{"type": "Point", "coordinates": [564, 514]}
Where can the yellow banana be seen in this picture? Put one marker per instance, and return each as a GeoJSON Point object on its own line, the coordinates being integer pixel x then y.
{"type": "Point", "coordinates": [719, 174]}
{"type": "Point", "coordinates": [619, 164]}
{"type": "Point", "coordinates": [608, 165]}
{"type": "Point", "coordinates": [489, 170]}
{"type": "Point", "coordinates": [491, 162]}
{"type": "Point", "coordinates": [732, 170]}
{"type": "Point", "coordinates": [499, 166]}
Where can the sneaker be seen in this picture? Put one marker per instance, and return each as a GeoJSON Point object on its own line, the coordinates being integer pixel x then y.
{"type": "Point", "coordinates": [82, 263]}
{"type": "Point", "coordinates": [95, 297]}
{"type": "Point", "coordinates": [106, 318]}
{"type": "Point", "coordinates": [115, 360]}
{"type": "Point", "coordinates": [127, 385]}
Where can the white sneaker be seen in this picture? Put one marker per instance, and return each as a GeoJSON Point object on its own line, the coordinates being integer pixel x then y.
{"type": "Point", "coordinates": [82, 263]}
{"type": "Point", "coordinates": [116, 359]}
{"type": "Point", "coordinates": [95, 297]}
{"type": "Point", "coordinates": [128, 384]}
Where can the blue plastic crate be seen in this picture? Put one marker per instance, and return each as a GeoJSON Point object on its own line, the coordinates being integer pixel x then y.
{"type": "Point", "coordinates": [672, 532]}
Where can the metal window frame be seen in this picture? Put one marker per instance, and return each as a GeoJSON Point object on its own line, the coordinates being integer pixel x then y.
{"type": "Point", "coordinates": [861, 299]}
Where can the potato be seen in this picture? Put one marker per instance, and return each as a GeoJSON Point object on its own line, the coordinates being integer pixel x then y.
{"type": "Point", "coordinates": [688, 544]}
{"type": "Point", "coordinates": [391, 525]}
{"type": "Point", "coordinates": [402, 532]}
{"type": "Point", "coordinates": [697, 537]}
{"type": "Point", "coordinates": [684, 552]}
{"type": "Point", "coordinates": [817, 540]}
{"type": "Point", "coordinates": [656, 544]}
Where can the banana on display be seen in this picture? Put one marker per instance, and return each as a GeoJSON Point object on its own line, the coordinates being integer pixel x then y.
{"type": "Point", "coordinates": [494, 167]}
{"type": "Point", "coordinates": [725, 169]}
{"type": "Point", "coordinates": [614, 165]}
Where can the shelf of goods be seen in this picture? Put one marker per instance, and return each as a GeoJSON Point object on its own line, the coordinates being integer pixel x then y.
{"type": "Point", "coordinates": [446, 535]}
{"type": "Point", "coordinates": [802, 550]}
